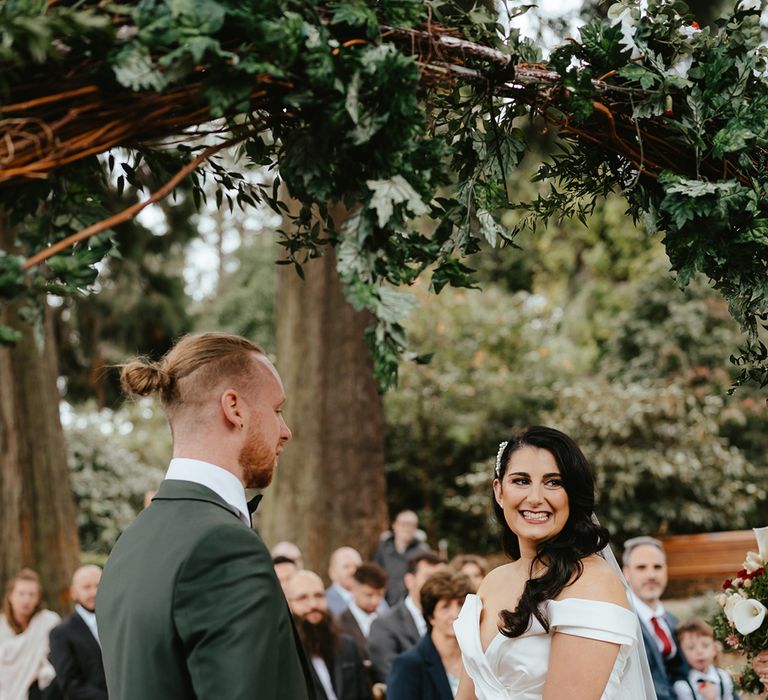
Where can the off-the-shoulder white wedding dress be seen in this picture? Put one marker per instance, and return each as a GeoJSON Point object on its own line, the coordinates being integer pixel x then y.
{"type": "Point", "coordinates": [516, 668]}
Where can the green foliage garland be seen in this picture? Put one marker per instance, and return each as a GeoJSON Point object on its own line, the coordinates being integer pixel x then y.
{"type": "Point", "coordinates": [398, 109]}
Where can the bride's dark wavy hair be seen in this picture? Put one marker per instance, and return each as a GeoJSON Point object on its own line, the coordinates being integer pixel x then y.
{"type": "Point", "coordinates": [562, 555]}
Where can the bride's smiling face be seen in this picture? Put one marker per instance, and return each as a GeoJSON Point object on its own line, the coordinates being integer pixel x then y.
{"type": "Point", "coordinates": [532, 495]}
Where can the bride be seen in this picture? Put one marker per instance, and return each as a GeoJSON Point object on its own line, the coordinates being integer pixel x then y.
{"type": "Point", "coordinates": [555, 622]}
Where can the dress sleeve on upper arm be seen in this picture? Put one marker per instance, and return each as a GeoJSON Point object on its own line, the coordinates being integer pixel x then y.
{"type": "Point", "coordinates": [593, 619]}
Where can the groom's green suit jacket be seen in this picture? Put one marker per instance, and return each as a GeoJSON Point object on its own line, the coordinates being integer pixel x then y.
{"type": "Point", "coordinates": [189, 607]}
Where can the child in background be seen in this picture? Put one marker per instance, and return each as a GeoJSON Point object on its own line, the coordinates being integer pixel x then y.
{"type": "Point", "coordinates": [705, 680]}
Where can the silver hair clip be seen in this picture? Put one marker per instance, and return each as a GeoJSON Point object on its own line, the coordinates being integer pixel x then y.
{"type": "Point", "coordinates": [502, 447]}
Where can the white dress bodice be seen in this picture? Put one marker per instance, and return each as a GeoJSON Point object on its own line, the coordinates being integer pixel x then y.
{"type": "Point", "coordinates": [516, 668]}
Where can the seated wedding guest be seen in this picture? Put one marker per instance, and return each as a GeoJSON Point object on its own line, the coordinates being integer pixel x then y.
{"type": "Point", "coordinates": [75, 649]}
{"type": "Point", "coordinates": [285, 568]}
{"type": "Point", "coordinates": [337, 666]}
{"type": "Point", "coordinates": [644, 564]}
{"type": "Point", "coordinates": [341, 570]}
{"type": "Point", "coordinates": [25, 624]}
{"type": "Point", "coordinates": [760, 667]}
{"type": "Point", "coordinates": [705, 681]}
{"type": "Point", "coordinates": [403, 626]}
{"type": "Point", "coordinates": [288, 550]}
{"type": "Point", "coordinates": [368, 586]}
{"type": "Point", "coordinates": [148, 496]}
{"type": "Point", "coordinates": [473, 566]}
{"type": "Point", "coordinates": [431, 670]}
{"type": "Point", "coordinates": [393, 551]}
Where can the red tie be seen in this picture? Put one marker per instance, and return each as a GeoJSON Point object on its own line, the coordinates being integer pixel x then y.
{"type": "Point", "coordinates": [666, 642]}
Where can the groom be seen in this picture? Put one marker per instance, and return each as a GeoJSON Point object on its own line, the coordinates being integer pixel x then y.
{"type": "Point", "coordinates": [189, 606]}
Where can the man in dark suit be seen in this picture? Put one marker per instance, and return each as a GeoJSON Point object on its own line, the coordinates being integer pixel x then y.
{"type": "Point", "coordinates": [369, 585]}
{"type": "Point", "coordinates": [75, 652]}
{"type": "Point", "coordinates": [645, 568]}
{"type": "Point", "coordinates": [189, 606]}
{"type": "Point", "coordinates": [337, 664]}
{"type": "Point", "coordinates": [400, 628]}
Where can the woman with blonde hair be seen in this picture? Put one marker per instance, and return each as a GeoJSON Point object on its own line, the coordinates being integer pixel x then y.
{"type": "Point", "coordinates": [25, 673]}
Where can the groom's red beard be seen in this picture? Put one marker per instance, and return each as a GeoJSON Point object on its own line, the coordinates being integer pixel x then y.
{"type": "Point", "coordinates": [320, 638]}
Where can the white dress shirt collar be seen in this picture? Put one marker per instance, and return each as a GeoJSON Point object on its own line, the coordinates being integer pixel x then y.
{"type": "Point", "coordinates": [418, 618]}
{"type": "Point", "coordinates": [324, 676]}
{"type": "Point", "coordinates": [364, 620]}
{"type": "Point", "coordinates": [644, 612]}
{"type": "Point", "coordinates": [219, 480]}
{"type": "Point", "coordinates": [710, 675]}
{"type": "Point", "coordinates": [90, 620]}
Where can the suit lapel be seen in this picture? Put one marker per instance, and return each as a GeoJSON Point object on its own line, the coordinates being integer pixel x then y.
{"type": "Point", "coordinates": [408, 624]}
{"type": "Point", "coordinates": [81, 629]}
{"type": "Point", "coordinates": [435, 667]}
{"type": "Point", "coordinates": [652, 649]}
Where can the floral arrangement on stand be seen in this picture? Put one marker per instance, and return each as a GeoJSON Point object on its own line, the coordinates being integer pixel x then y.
{"type": "Point", "coordinates": [741, 624]}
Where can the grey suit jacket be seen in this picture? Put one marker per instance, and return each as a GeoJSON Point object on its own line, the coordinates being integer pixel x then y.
{"type": "Point", "coordinates": [336, 603]}
{"type": "Point", "coordinates": [665, 671]}
{"type": "Point", "coordinates": [391, 635]}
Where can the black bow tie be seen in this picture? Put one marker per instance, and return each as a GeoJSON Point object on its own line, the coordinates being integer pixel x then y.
{"type": "Point", "coordinates": [253, 504]}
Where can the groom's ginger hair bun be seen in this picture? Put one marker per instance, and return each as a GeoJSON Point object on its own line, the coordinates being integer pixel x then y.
{"type": "Point", "coordinates": [195, 365]}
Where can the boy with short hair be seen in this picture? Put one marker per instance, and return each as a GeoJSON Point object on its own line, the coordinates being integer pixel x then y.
{"type": "Point", "coordinates": [705, 681]}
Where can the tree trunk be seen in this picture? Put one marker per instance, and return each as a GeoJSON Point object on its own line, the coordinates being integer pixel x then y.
{"type": "Point", "coordinates": [329, 488]}
{"type": "Point", "coordinates": [38, 526]}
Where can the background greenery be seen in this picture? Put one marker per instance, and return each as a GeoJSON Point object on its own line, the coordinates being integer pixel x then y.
{"type": "Point", "coordinates": [580, 326]}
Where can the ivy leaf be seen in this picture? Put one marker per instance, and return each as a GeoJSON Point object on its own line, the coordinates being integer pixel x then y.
{"type": "Point", "coordinates": [389, 193]}
{"type": "Point", "coordinates": [134, 69]}
{"type": "Point", "coordinates": [732, 138]}
{"type": "Point", "coordinates": [392, 305]}
{"type": "Point", "coordinates": [452, 272]}
{"type": "Point", "coordinates": [639, 74]}
{"type": "Point", "coordinates": [490, 228]}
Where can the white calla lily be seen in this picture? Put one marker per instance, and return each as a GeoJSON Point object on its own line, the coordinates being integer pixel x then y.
{"type": "Point", "coordinates": [748, 615]}
{"type": "Point", "coordinates": [761, 535]}
{"type": "Point", "coordinates": [730, 603]}
{"type": "Point", "coordinates": [753, 562]}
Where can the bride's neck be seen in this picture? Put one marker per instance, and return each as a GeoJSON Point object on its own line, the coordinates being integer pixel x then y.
{"type": "Point", "coordinates": [528, 563]}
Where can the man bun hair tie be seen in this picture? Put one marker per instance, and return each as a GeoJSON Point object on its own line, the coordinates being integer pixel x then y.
{"type": "Point", "coordinates": [142, 378]}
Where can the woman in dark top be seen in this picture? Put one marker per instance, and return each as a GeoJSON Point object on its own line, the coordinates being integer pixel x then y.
{"type": "Point", "coordinates": [431, 669]}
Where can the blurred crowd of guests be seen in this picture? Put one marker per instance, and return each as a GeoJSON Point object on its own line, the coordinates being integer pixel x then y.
{"type": "Point", "coordinates": [43, 657]}
{"type": "Point", "coordinates": [383, 628]}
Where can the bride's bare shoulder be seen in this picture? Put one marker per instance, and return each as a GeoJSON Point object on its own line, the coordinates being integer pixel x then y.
{"type": "Point", "coordinates": [499, 581]}
{"type": "Point", "coordinates": [598, 581]}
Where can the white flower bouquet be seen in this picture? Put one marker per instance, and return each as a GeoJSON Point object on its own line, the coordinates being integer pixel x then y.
{"type": "Point", "coordinates": [741, 624]}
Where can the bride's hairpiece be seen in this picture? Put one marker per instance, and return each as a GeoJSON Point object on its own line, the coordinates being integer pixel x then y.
{"type": "Point", "coordinates": [502, 447]}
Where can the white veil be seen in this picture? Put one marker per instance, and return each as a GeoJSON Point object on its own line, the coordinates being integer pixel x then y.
{"type": "Point", "coordinates": [637, 683]}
